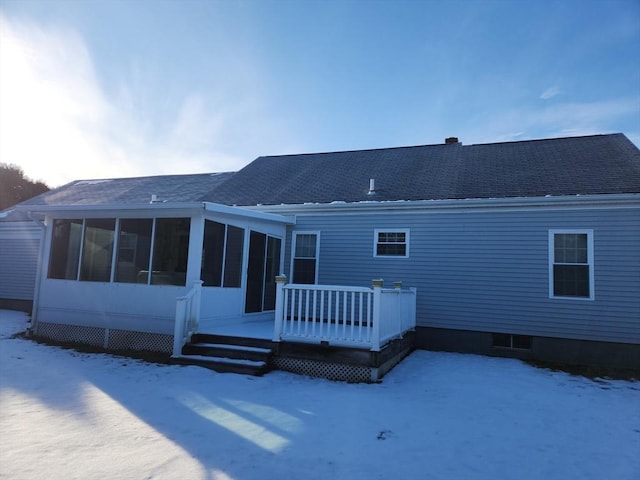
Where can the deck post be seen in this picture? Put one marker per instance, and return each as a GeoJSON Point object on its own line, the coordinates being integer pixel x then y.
{"type": "Point", "coordinates": [197, 286]}
{"type": "Point", "coordinates": [281, 280]}
{"type": "Point", "coordinates": [377, 294]}
{"type": "Point", "coordinates": [178, 327]}
{"type": "Point", "coordinates": [399, 303]}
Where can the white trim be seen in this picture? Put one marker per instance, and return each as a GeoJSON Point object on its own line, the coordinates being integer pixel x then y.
{"type": "Point", "coordinates": [224, 251]}
{"type": "Point", "coordinates": [590, 260]}
{"type": "Point", "coordinates": [244, 267]}
{"type": "Point", "coordinates": [407, 236]}
{"type": "Point", "coordinates": [81, 249]}
{"type": "Point", "coordinates": [41, 271]}
{"type": "Point", "coordinates": [294, 235]}
{"type": "Point", "coordinates": [247, 213]}
{"type": "Point", "coordinates": [264, 270]}
{"type": "Point", "coordinates": [194, 252]}
{"type": "Point", "coordinates": [114, 251]}
{"type": "Point", "coordinates": [152, 247]}
{"type": "Point", "coordinates": [185, 209]}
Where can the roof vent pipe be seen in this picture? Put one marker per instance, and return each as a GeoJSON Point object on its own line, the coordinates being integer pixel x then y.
{"type": "Point", "coordinates": [154, 198]}
{"type": "Point", "coordinates": [372, 186]}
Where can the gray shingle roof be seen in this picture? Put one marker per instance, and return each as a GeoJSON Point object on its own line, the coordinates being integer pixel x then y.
{"type": "Point", "coordinates": [131, 191]}
{"type": "Point", "coordinates": [598, 164]}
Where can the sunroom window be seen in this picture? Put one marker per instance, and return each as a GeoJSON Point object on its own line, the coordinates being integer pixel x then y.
{"type": "Point", "coordinates": [170, 251]}
{"type": "Point", "coordinates": [83, 250]}
{"type": "Point", "coordinates": [233, 256]}
{"type": "Point", "coordinates": [97, 249]}
{"type": "Point", "coordinates": [134, 250]}
{"type": "Point", "coordinates": [222, 249]}
{"type": "Point", "coordinates": [65, 249]}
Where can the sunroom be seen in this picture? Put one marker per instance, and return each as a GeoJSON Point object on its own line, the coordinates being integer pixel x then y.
{"type": "Point", "coordinates": [110, 275]}
{"type": "Point", "coordinates": [202, 283]}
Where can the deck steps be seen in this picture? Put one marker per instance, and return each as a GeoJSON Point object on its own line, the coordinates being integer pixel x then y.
{"type": "Point", "coordinates": [222, 353]}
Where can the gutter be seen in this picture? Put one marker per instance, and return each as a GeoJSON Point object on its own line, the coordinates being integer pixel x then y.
{"type": "Point", "coordinates": [110, 206]}
{"type": "Point", "coordinates": [624, 200]}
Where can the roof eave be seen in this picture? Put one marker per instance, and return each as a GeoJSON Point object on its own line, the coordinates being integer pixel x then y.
{"type": "Point", "coordinates": [159, 206]}
{"type": "Point", "coordinates": [107, 207]}
{"type": "Point", "coordinates": [567, 201]}
{"type": "Point", "coordinates": [248, 213]}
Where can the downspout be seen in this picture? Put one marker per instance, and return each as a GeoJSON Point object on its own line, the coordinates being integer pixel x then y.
{"type": "Point", "coordinates": [40, 272]}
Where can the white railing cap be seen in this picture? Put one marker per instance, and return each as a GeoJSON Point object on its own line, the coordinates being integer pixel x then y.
{"type": "Point", "coordinates": [341, 288]}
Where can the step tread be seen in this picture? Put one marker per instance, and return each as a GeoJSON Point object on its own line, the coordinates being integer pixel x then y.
{"type": "Point", "coordinates": [231, 340]}
{"type": "Point", "coordinates": [210, 359]}
{"type": "Point", "coordinates": [229, 346]}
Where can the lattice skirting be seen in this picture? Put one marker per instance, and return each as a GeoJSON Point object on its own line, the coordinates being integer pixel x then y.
{"type": "Point", "coordinates": [152, 342]}
{"type": "Point", "coordinates": [331, 371]}
{"type": "Point", "coordinates": [110, 339]}
{"type": "Point", "coordinates": [93, 336]}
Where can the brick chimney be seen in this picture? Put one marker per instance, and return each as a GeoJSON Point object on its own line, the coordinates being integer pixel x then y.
{"type": "Point", "coordinates": [451, 140]}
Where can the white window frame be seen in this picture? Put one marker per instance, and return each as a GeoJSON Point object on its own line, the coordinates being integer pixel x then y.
{"type": "Point", "coordinates": [590, 263]}
{"type": "Point", "coordinates": [294, 238]}
{"type": "Point", "coordinates": [407, 239]}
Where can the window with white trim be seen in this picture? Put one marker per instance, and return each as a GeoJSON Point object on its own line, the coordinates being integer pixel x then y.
{"type": "Point", "coordinates": [571, 263]}
{"type": "Point", "coordinates": [391, 243]}
{"type": "Point", "coordinates": [304, 264]}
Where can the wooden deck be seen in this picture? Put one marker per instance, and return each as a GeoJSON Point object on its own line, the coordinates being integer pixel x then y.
{"type": "Point", "coordinates": [345, 333]}
{"type": "Point", "coordinates": [247, 348]}
{"type": "Point", "coordinates": [262, 329]}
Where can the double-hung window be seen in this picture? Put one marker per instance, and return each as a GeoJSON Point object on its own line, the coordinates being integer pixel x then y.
{"type": "Point", "coordinates": [571, 263]}
{"type": "Point", "coordinates": [304, 264]}
{"type": "Point", "coordinates": [391, 243]}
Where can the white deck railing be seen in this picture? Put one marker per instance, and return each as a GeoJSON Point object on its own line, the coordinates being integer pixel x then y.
{"type": "Point", "coordinates": [357, 317]}
{"type": "Point", "coordinates": [187, 317]}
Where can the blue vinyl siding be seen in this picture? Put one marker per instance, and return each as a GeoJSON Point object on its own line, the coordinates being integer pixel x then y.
{"type": "Point", "coordinates": [489, 270]}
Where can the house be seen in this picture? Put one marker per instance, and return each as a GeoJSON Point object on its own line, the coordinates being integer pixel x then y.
{"type": "Point", "coordinates": [528, 249]}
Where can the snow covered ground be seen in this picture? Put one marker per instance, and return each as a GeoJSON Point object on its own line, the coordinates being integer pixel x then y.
{"type": "Point", "coordinates": [66, 415]}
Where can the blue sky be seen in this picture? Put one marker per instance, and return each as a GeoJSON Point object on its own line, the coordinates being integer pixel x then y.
{"type": "Point", "coordinates": [94, 89]}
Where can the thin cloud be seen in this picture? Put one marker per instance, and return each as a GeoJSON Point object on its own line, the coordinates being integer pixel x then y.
{"type": "Point", "coordinates": [58, 124]}
{"type": "Point", "coordinates": [558, 120]}
{"type": "Point", "coordinates": [550, 92]}
{"type": "Point", "coordinates": [51, 110]}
